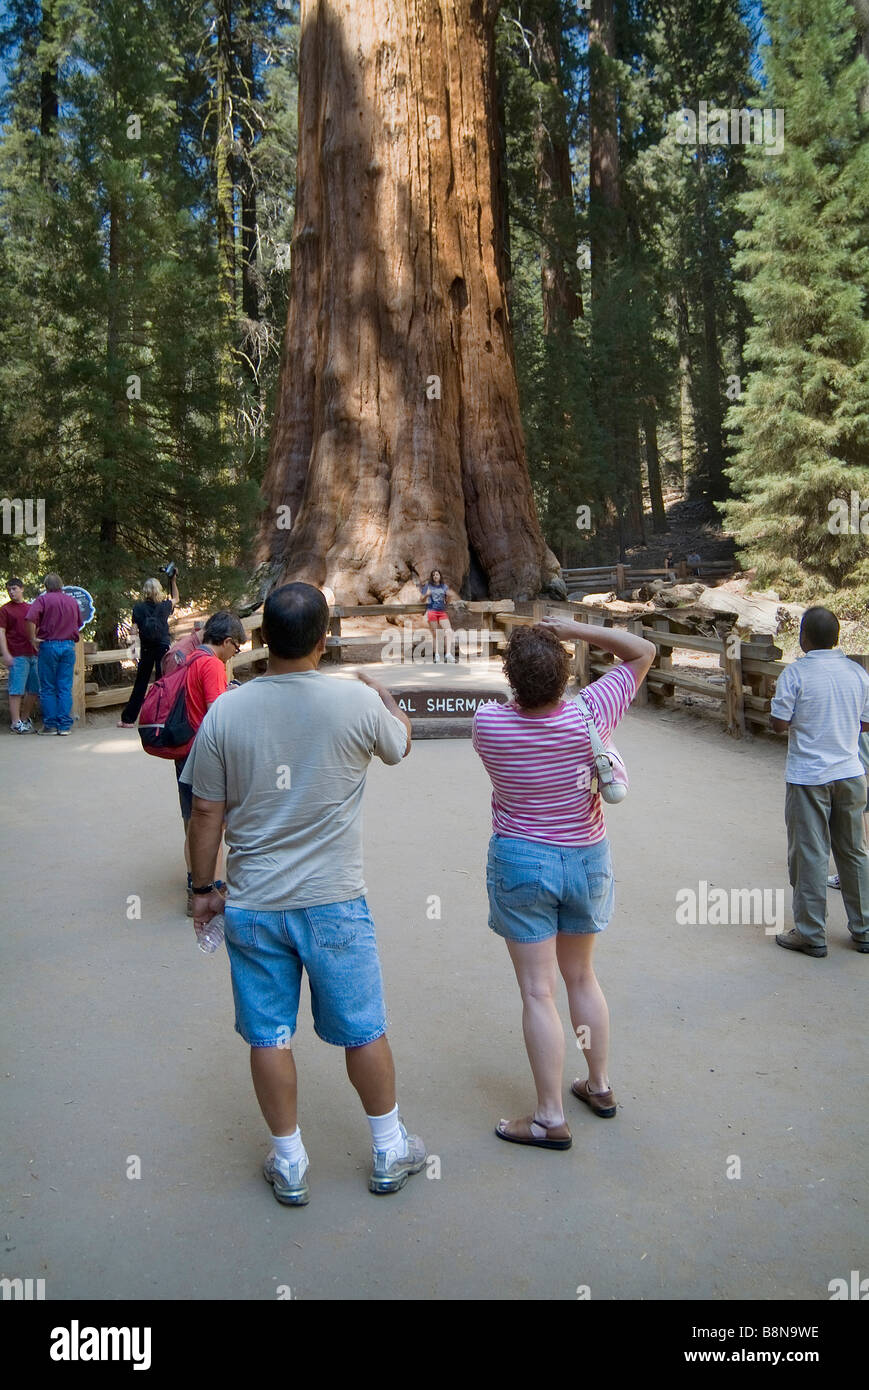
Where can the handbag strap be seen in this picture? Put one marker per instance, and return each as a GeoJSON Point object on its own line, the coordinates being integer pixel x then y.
{"type": "Point", "coordinates": [597, 744]}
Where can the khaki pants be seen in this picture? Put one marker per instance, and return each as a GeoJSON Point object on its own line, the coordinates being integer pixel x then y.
{"type": "Point", "coordinates": [818, 819]}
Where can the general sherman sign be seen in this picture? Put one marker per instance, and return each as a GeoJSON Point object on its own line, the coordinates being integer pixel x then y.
{"type": "Point", "coordinates": [418, 705]}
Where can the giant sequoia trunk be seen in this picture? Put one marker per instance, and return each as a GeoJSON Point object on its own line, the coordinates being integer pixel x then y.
{"type": "Point", "coordinates": [397, 445]}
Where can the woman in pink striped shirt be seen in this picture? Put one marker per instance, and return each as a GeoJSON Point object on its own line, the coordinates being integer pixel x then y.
{"type": "Point", "coordinates": [549, 874]}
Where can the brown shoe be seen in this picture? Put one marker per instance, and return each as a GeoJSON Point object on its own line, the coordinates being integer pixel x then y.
{"type": "Point", "coordinates": [792, 941]}
{"type": "Point", "coordinates": [603, 1103]}
{"type": "Point", "coordinates": [549, 1136]}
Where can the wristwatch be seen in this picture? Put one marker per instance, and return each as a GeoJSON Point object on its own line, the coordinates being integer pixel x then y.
{"type": "Point", "coordinates": [201, 892]}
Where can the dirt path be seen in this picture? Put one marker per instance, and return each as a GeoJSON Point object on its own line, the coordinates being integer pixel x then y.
{"type": "Point", "coordinates": [119, 1044]}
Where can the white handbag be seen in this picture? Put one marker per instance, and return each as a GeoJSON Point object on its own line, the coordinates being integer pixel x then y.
{"type": "Point", "coordinates": [611, 778]}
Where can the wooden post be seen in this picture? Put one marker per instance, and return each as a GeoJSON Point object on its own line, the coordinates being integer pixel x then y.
{"type": "Point", "coordinates": [335, 631]}
{"type": "Point", "coordinates": [538, 610]}
{"type": "Point", "coordinates": [78, 695]}
{"type": "Point", "coordinates": [581, 664]}
{"type": "Point", "coordinates": [621, 581]}
{"type": "Point", "coordinates": [642, 695]}
{"type": "Point", "coordinates": [733, 678]}
{"type": "Point", "coordinates": [682, 570]}
{"type": "Point", "coordinates": [256, 641]}
{"type": "Point", "coordinates": [665, 657]}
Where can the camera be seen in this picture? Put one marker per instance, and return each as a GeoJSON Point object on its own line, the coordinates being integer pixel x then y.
{"type": "Point", "coordinates": [170, 569]}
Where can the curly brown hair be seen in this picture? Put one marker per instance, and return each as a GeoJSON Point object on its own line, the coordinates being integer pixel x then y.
{"type": "Point", "coordinates": [536, 665]}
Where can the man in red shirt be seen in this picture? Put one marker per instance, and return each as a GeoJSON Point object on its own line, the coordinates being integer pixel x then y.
{"type": "Point", "coordinates": [53, 621]}
{"type": "Point", "coordinates": [222, 638]}
{"type": "Point", "coordinates": [19, 655]}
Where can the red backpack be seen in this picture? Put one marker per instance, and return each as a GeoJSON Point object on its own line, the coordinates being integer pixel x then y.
{"type": "Point", "coordinates": [164, 724]}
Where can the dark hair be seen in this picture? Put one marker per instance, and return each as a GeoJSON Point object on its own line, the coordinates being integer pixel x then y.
{"type": "Point", "coordinates": [536, 665]}
{"type": "Point", "coordinates": [223, 627]}
{"type": "Point", "coordinates": [295, 618]}
{"type": "Point", "coordinates": [431, 578]}
{"type": "Point", "coordinates": [820, 626]}
{"type": "Point", "coordinates": [14, 583]}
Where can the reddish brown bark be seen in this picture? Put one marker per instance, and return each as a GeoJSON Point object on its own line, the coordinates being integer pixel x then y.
{"type": "Point", "coordinates": [396, 279]}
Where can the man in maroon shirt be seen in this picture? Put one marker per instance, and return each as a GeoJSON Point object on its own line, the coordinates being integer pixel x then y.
{"type": "Point", "coordinates": [53, 621]}
{"type": "Point", "coordinates": [17, 652]}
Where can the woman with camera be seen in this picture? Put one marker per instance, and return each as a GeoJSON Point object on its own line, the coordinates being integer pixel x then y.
{"type": "Point", "coordinates": [151, 618]}
{"type": "Point", "coordinates": [549, 874]}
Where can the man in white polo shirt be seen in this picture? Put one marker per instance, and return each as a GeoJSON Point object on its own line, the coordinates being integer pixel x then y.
{"type": "Point", "coordinates": [823, 703]}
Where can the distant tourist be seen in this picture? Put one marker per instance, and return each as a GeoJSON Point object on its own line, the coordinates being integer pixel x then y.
{"type": "Point", "coordinates": [53, 622]}
{"type": "Point", "coordinates": [822, 702]}
{"type": "Point", "coordinates": [549, 874]}
{"type": "Point", "coordinates": [284, 762]}
{"type": "Point", "coordinates": [18, 653]}
{"type": "Point", "coordinates": [222, 638]}
{"type": "Point", "coordinates": [434, 591]}
{"type": "Point", "coordinates": [151, 617]}
{"type": "Point", "coordinates": [694, 562]}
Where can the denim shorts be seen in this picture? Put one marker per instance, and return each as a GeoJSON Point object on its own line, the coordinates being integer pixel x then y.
{"type": "Point", "coordinates": [23, 677]}
{"type": "Point", "coordinates": [536, 889]}
{"type": "Point", "coordinates": [335, 944]}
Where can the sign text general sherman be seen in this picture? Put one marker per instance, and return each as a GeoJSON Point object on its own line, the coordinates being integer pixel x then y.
{"type": "Point", "coordinates": [421, 706]}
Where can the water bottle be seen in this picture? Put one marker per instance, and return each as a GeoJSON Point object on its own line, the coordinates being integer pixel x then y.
{"type": "Point", "coordinates": [209, 940]}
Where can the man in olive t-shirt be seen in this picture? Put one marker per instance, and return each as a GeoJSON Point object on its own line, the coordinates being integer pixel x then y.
{"type": "Point", "coordinates": [284, 763]}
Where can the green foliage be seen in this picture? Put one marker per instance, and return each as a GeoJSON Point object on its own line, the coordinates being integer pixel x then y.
{"type": "Point", "coordinates": [111, 338]}
{"type": "Point", "coordinates": [801, 429]}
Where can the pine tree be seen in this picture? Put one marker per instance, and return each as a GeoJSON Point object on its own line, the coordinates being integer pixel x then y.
{"type": "Point", "coordinates": [801, 429]}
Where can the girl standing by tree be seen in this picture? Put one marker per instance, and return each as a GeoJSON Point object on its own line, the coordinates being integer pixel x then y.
{"type": "Point", "coordinates": [434, 591]}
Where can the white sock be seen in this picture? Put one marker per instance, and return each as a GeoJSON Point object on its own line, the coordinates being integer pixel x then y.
{"type": "Point", "coordinates": [290, 1146]}
{"type": "Point", "coordinates": [386, 1133]}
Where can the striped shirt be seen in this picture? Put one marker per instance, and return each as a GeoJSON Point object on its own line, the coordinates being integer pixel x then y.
{"type": "Point", "coordinates": [541, 766]}
{"type": "Point", "coordinates": [825, 696]}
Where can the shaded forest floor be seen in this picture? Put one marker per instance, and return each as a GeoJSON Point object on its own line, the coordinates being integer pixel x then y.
{"type": "Point", "coordinates": [691, 525]}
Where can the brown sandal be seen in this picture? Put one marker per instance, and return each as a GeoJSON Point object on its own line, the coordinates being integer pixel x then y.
{"type": "Point", "coordinates": [602, 1104]}
{"type": "Point", "coordinates": [563, 1141]}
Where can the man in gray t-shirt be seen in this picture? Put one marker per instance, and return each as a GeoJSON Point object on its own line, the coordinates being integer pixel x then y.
{"type": "Point", "coordinates": [283, 762]}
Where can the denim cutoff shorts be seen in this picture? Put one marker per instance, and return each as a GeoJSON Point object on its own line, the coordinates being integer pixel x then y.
{"type": "Point", "coordinates": [335, 944]}
{"type": "Point", "coordinates": [23, 676]}
{"type": "Point", "coordinates": [537, 890]}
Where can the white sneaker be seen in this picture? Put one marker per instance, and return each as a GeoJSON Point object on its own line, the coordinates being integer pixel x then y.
{"type": "Point", "coordinates": [390, 1171]}
{"type": "Point", "coordinates": [833, 882]}
{"type": "Point", "coordinates": [287, 1179]}
{"type": "Point", "coordinates": [26, 726]}
{"type": "Point", "coordinates": [17, 727]}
